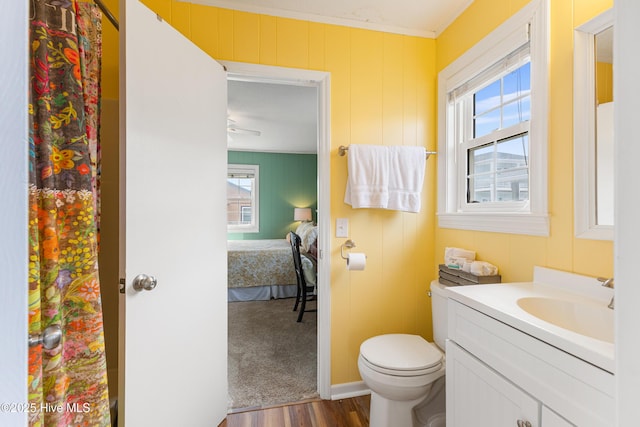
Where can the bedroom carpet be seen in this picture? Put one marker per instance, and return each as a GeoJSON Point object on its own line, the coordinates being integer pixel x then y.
{"type": "Point", "coordinates": [272, 358]}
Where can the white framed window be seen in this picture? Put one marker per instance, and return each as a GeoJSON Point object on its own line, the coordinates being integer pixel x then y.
{"type": "Point", "coordinates": [492, 140]}
{"type": "Point", "coordinates": [243, 212]}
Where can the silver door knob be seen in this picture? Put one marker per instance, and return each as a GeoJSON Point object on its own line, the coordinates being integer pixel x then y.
{"type": "Point", "coordinates": [144, 282]}
{"type": "Point", "coordinates": [50, 337]}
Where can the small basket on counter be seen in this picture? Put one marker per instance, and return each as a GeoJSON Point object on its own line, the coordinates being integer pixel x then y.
{"type": "Point", "coordinates": [456, 277]}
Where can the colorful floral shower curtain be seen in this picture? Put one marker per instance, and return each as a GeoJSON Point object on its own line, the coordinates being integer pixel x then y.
{"type": "Point", "coordinates": [67, 384]}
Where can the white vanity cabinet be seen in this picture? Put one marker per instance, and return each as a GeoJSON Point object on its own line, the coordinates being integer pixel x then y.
{"type": "Point", "coordinates": [551, 419]}
{"type": "Point", "coordinates": [484, 397]}
{"type": "Point", "coordinates": [488, 399]}
{"type": "Point", "coordinates": [498, 376]}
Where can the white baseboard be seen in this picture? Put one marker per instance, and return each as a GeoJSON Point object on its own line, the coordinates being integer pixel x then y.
{"type": "Point", "coordinates": [347, 390]}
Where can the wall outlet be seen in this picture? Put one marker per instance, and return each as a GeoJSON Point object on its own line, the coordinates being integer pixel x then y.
{"type": "Point", "coordinates": [342, 227]}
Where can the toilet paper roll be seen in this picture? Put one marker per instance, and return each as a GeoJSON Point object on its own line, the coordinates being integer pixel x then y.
{"type": "Point", "coordinates": [356, 261]}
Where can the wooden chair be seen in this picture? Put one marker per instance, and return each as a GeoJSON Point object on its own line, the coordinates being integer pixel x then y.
{"type": "Point", "coordinates": [302, 294]}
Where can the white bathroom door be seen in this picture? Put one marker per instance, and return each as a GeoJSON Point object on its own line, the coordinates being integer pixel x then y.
{"type": "Point", "coordinates": [173, 338]}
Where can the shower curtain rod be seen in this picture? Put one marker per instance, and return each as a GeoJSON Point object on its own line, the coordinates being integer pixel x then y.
{"type": "Point", "coordinates": [107, 12]}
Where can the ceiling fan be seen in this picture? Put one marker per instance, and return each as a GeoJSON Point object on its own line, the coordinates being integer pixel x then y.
{"type": "Point", "coordinates": [232, 128]}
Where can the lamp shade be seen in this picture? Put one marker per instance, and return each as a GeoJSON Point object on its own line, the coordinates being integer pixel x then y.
{"type": "Point", "coordinates": [302, 214]}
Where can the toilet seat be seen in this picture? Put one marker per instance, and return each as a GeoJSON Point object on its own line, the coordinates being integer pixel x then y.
{"type": "Point", "coordinates": [401, 355]}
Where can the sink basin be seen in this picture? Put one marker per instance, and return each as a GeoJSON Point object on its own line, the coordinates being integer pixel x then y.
{"type": "Point", "coordinates": [582, 318]}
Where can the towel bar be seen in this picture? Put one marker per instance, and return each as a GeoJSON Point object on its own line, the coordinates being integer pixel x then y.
{"type": "Point", "coordinates": [342, 151]}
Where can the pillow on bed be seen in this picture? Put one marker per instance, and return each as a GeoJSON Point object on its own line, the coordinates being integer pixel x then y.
{"type": "Point", "coordinates": [308, 271]}
{"type": "Point", "coordinates": [304, 228]}
{"type": "Point", "coordinates": [308, 233]}
{"type": "Point", "coordinates": [313, 251]}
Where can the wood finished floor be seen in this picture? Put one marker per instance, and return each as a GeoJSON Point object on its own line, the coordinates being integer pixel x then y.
{"type": "Point", "coordinates": [353, 412]}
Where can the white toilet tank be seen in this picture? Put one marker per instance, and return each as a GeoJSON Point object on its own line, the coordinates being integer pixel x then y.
{"type": "Point", "coordinates": [439, 313]}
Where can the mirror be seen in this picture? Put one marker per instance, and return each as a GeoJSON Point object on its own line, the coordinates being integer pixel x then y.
{"type": "Point", "coordinates": [593, 128]}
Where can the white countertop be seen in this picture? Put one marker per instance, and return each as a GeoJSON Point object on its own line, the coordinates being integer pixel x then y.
{"type": "Point", "coordinates": [500, 302]}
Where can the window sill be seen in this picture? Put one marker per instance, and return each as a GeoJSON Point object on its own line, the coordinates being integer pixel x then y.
{"type": "Point", "coordinates": [497, 222]}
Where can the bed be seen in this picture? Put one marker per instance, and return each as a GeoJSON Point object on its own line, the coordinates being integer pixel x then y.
{"type": "Point", "coordinates": [263, 269]}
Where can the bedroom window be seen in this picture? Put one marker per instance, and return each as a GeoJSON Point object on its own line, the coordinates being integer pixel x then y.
{"type": "Point", "coordinates": [493, 114]}
{"type": "Point", "coordinates": [242, 199]}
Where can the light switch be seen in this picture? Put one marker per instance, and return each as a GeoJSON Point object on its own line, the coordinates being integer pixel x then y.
{"type": "Point", "coordinates": [342, 227]}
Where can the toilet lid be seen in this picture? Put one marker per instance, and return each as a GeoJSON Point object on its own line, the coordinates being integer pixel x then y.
{"type": "Point", "coordinates": [401, 352]}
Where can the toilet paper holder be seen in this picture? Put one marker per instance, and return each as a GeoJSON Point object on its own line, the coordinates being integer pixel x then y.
{"type": "Point", "coordinates": [349, 244]}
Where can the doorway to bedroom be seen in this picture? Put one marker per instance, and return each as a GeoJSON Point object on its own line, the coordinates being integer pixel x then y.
{"type": "Point", "coordinates": [277, 164]}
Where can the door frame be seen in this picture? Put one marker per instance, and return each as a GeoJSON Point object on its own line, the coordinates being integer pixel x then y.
{"type": "Point", "coordinates": [320, 80]}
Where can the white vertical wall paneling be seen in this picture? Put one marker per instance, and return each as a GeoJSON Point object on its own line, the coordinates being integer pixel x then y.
{"type": "Point", "coordinates": [13, 213]}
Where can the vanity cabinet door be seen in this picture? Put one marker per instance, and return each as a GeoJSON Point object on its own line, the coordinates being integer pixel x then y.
{"type": "Point", "coordinates": [551, 419]}
{"type": "Point", "coordinates": [479, 396]}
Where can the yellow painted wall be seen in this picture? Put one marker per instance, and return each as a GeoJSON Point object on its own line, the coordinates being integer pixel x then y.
{"type": "Point", "coordinates": [383, 91]}
{"type": "Point", "coordinates": [515, 254]}
{"type": "Point", "coordinates": [604, 82]}
{"type": "Point", "coordinates": [110, 52]}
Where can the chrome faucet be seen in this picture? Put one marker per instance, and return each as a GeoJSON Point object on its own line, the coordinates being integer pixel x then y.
{"type": "Point", "coordinates": [607, 283]}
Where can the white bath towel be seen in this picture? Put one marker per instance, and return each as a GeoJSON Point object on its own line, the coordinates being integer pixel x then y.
{"type": "Point", "coordinates": [385, 177]}
{"type": "Point", "coordinates": [406, 178]}
{"type": "Point", "coordinates": [368, 176]}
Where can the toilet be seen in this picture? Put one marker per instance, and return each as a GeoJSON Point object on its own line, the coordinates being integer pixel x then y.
{"type": "Point", "coordinates": [405, 373]}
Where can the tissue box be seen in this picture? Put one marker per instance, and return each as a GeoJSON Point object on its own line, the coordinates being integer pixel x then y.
{"type": "Point", "coordinates": [455, 277]}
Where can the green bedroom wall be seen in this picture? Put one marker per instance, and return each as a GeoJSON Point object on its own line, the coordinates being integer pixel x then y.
{"type": "Point", "coordinates": [286, 181]}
